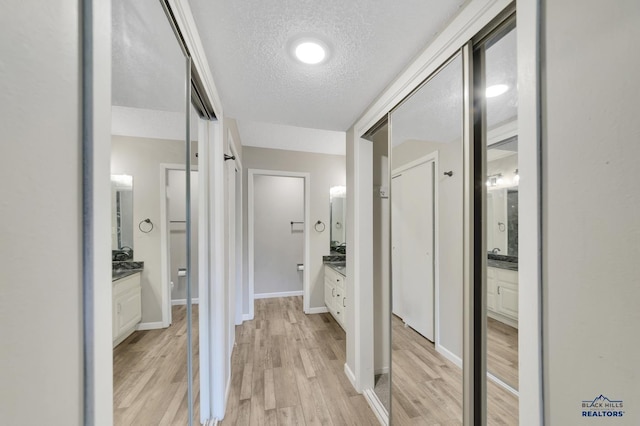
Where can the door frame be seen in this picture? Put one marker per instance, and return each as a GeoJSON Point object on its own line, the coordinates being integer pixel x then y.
{"type": "Point", "coordinates": [431, 157]}
{"type": "Point", "coordinates": [307, 240]}
{"type": "Point", "coordinates": [238, 237]}
{"type": "Point", "coordinates": [164, 239]}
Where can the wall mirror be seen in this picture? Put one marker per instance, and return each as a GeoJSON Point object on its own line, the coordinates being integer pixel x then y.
{"type": "Point", "coordinates": [502, 198]}
{"type": "Point", "coordinates": [122, 216]}
{"type": "Point", "coordinates": [338, 212]}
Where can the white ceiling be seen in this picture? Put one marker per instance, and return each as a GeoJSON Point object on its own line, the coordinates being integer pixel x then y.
{"type": "Point", "coordinates": [279, 102]}
{"type": "Point", "coordinates": [148, 66]}
{"type": "Point", "coordinates": [434, 112]}
{"type": "Point", "coordinates": [370, 43]}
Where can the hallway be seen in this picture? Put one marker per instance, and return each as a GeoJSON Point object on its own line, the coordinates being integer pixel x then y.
{"type": "Point", "coordinates": [288, 369]}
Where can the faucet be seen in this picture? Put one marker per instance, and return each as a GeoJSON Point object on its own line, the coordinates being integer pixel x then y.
{"type": "Point", "coordinates": [495, 250]}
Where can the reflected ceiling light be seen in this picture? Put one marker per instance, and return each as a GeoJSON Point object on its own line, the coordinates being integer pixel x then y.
{"type": "Point", "coordinates": [310, 51]}
{"type": "Point", "coordinates": [496, 90]}
{"type": "Point", "coordinates": [338, 191]}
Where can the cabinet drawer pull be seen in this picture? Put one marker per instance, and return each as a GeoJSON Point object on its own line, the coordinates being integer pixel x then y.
{"type": "Point", "coordinates": [498, 289]}
{"type": "Point", "coordinates": [333, 292]}
{"type": "Point", "coordinates": [343, 305]}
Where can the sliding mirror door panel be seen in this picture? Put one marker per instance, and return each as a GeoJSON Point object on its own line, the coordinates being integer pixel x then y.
{"type": "Point", "coordinates": [426, 227]}
{"type": "Point", "coordinates": [497, 99]}
{"type": "Point", "coordinates": [150, 114]}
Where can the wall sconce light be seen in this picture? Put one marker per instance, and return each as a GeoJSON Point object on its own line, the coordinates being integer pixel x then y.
{"type": "Point", "coordinates": [494, 180]}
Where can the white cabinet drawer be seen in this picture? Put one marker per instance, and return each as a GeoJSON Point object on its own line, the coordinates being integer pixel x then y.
{"type": "Point", "coordinates": [126, 306]}
{"type": "Point", "coordinates": [335, 295]}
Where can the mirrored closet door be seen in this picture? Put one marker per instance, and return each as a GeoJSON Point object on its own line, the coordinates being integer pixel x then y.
{"type": "Point", "coordinates": [155, 358]}
{"type": "Point", "coordinates": [426, 194]}
{"type": "Point", "coordinates": [497, 96]}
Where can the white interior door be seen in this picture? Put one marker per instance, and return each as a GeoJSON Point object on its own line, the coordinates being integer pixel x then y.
{"type": "Point", "coordinates": [414, 229]}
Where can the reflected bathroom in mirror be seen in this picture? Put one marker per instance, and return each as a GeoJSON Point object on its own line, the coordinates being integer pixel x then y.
{"type": "Point", "coordinates": [121, 217]}
{"type": "Point", "coordinates": [502, 198]}
{"type": "Point", "coordinates": [502, 181]}
{"type": "Point", "coordinates": [338, 213]}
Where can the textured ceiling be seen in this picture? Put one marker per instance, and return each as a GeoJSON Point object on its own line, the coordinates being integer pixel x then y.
{"type": "Point", "coordinates": [434, 112]}
{"type": "Point", "coordinates": [147, 63]}
{"type": "Point", "coordinates": [246, 43]}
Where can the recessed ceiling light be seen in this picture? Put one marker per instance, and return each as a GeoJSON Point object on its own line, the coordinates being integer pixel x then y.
{"type": "Point", "coordinates": [496, 90]}
{"type": "Point", "coordinates": [310, 52]}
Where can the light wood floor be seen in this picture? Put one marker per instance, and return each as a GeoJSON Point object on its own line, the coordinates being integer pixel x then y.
{"type": "Point", "coordinates": [502, 351]}
{"type": "Point", "coordinates": [288, 369]}
{"type": "Point", "coordinates": [427, 387]}
{"type": "Point", "coordinates": [150, 375]}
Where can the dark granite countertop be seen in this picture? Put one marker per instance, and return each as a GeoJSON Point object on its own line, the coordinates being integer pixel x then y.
{"type": "Point", "coordinates": [337, 262]}
{"type": "Point", "coordinates": [334, 257]}
{"type": "Point", "coordinates": [502, 261]}
{"type": "Point", "coordinates": [123, 273]}
{"type": "Point", "coordinates": [124, 269]}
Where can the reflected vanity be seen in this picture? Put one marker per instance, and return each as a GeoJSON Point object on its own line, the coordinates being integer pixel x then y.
{"type": "Point", "coordinates": [335, 279]}
{"type": "Point", "coordinates": [502, 260]}
{"type": "Point", "coordinates": [127, 290]}
{"type": "Point", "coordinates": [502, 180]}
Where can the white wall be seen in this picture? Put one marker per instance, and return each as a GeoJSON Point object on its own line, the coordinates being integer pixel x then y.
{"type": "Point", "coordinates": [450, 233]}
{"type": "Point", "coordinates": [591, 202]}
{"type": "Point", "coordinates": [40, 214]}
{"type": "Point", "coordinates": [141, 158]}
{"type": "Point", "coordinates": [278, 244]}
{"type": "Point", "coordinates": [291, 138]}
{"type": "Point", "coordinates": [326, 171]}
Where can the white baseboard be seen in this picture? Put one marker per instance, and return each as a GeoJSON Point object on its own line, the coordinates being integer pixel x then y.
{"type": "Point", "coordinates": [247, 317]}
{"type": "Point", "coordinates": [319, 310]}
{"type": "Point", "coordinates": [124, 336]}
{"type": "Point", "coordinates": [449, 355]}
{"type": "Point", "coordinates": [499, 317]}
{"type": "Point", "coordinates": [383, 370]}
{"type": "Point", "coordinates": [279, 294]}
{"type": "Point", "coordinates": [175, 302]}
{"type": "Point", "coordinates": [149, 325]}
{"type": "Point", "coordinates": [227, 393]}
{"type": "Point", "coordinates": [376, 406]}
{"type": "Point", "coordinates": [350, 376]}
{"type": "Point", "coordinates": [504, 385]}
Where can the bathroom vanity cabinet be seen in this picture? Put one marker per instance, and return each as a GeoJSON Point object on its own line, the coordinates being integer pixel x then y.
{"type": "Point", "coordinates": [126, 307]}
{"type": "Point", "coordinates": [335, 296]}
{"type": "Point", "coordinates": [502, 295]}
